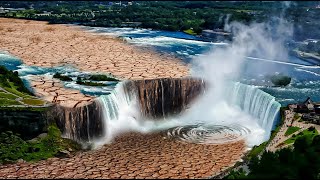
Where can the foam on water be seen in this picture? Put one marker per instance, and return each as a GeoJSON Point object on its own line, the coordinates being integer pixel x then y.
{"type": "Point", "coordinates": [9, 61]}
{"type": "Point", "coordinates": [27, 73]}
{"type": "Point", "coordinates": [167, 41]}
{"type": "Point", "coordinates": [188, 47]}
{"type": "Point", "coordinates": [311, 72]}
{"type": "Point", "coordinates": [208, 134]}
{"type": "Point", "coordinates": [119, 31]}
{"type": "Point", "coordinates": [121, 114]}
{"type": "Point", "coordinates": [249, 114]}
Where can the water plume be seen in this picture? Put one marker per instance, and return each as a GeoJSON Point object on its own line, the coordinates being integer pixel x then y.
{"type": "Point", "coordinates": [224, 112]}
{"type": "Point", "coordinates": [226, 101]}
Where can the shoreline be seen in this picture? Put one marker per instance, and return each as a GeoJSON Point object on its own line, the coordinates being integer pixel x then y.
{"type": "Point", "coordinates": [116, 60]}
{"type": "Point", "coordinates": [37, 43]}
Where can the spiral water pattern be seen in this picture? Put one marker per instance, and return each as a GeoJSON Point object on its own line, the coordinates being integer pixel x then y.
{"type": "Point", "coordinates": [208, 134]}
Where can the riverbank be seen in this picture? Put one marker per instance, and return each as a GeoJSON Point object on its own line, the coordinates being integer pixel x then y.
{"type": "Point", "coordinates": [40, 44]}
{"type": "Point", "coordinates": [37, 43]}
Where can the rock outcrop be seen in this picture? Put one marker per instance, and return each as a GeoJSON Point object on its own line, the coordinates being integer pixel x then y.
{"type": "Point", "coordinates": [167, 96]}
{"type": "Point", "coordinates": [157, 98]}
{"type": "Point", "coordinates": [27, 122]}
{"type": "Point", "coordinates": [81, 124]}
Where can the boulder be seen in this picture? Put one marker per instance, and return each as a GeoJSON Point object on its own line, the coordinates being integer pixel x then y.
{"type": "Point", "coordinates": [280, 80]}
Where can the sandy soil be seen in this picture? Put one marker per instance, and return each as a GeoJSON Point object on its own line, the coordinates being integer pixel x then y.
{"type": "Point", "coordinates": [52, 90]}
{"type": "Point", "coordinates": [135, 155]}
{"type": "Point", "coordinates": [40, 44]}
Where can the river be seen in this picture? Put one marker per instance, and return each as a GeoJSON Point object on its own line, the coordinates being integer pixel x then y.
{"type": "Point", "coordinates": [305, 74]}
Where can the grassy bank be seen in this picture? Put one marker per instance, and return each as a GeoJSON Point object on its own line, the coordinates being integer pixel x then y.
{"type": "Point", "coordinates": [13, 148]}
{"type": "Point", "coordinates": [291, 130]}
{"type": "Point", "coordinates": [13, 93]}
{"type": "Point", "coordinates": [301, 160]}
{"type": "Point", "coordinates": [87, 81]}
{"type": "Point", "coordinates": [190, 31]}
{"type": "Point", "coordinates": [308, 133]}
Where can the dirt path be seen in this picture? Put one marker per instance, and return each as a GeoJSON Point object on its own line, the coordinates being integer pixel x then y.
{"type": "Point", "coordinates": [288, 121]}
{"type": "Point", "coordinates": [19, 99]}
{"type": "Point", "coordinates": [135, 156]}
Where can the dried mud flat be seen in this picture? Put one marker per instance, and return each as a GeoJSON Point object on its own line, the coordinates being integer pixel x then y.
{"type": "Point", "coordinates": [132, 155]}
{"type": "Point", "coordinates": [135, 155]}
{"type": "Point", "coordinates": [53, 91]}
{"type": "Point", "coordinates": [37, 43]}
{"type": "Point", "coordinates": [40, 44]}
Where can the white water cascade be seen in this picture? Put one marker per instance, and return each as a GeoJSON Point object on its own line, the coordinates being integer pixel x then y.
{"type": "Point", "coordinates": [259, 104]}
{"type": "Point", "coordinates": [121, 113]}
{"type": "Point", "coordinates": [247, 113]}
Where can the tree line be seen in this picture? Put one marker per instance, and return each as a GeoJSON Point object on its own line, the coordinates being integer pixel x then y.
{"type": "Point", "coordinates": [301, 161]}
{"type": "Point", "coordinates": [170, 15]}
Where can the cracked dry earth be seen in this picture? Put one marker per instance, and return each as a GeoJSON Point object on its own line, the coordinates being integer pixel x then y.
{"type": "Point", "coordinates": [135, 155]}
{"type": "Point", "coordinates": [132, 155]}
{"type": "Point", "coordinates": [37, 43]}
{"type": "Point", "coordinates": [53, 91]}
{"type": "Point", "coordinates": [40, 44]}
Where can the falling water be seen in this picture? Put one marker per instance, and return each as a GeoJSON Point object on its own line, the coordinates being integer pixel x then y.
{"type": "Point", "coordinates": [82, 124]}
{"type": "Point", "coordinates": [162, 96]}
{"type": "Point", "coordinates": [88, 123]}
{"type": "Point", "coordinates": [259, 104]}
{"type": "Point", "coordinates": [248, 111]}
{"type": "Point", "coordinates": [120, 112]}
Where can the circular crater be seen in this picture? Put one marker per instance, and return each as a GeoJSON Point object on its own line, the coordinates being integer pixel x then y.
{"type": "Point", "coordinates": [208, 134]}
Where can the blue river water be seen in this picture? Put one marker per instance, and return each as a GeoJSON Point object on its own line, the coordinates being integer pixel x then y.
{"type": "Point", "coordinates": [25, 72]}
{"type": "Point", "coordinates": [255, 71]}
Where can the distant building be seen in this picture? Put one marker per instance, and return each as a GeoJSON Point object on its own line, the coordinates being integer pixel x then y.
{"type": "Point", "coordinates": [306, 106]}
{"type": "Point", "coordinates": [310, 111]}
{"type": "Point", "coordinates": [317, 108]}
{"type": "Point", "coordinates": [131, 24]}
{"type": "Point", "coordinates": [2, 11]}
{"type": "Point", "coordinates": [6, 10]}
{"type": "Point", "coordinates": [44, 13]}
{"type": "Point", "coordinates": [216, 35]}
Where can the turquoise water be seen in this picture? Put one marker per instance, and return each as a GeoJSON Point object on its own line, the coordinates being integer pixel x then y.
{"type": "Point", "coordinates": [13, 63]}
{"type": "Point", "coordinates": [255, 71]}
{"type": "Point", "coordinates": [305, 74]}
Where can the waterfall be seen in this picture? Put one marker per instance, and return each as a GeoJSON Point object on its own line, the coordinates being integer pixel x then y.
{"type": "Point", "coordinates": [141, 106]}
{"type": "Point", "coordinates": [259, 104]}
{"type": "Point", "coordinates": [82, 124]}
{"type": "Point", "coordinates": [149, 105]}
{"type": "Point", "coordinates": [120, 111]}
{"type": "Point", "coordinates": [162, 99]}
{"type": "Point", "coordinates": [88, 123]}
